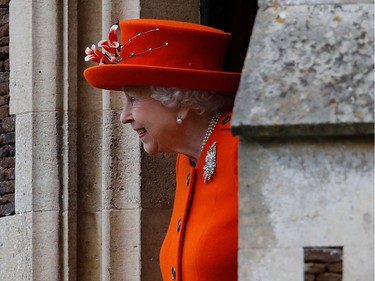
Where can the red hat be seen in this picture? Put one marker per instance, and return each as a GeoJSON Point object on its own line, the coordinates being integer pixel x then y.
{"type": "Point", "coordinates": [161, 53]}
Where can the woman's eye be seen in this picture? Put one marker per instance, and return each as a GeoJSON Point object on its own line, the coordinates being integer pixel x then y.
{"type": "Point", "coordinates": [132, 99]}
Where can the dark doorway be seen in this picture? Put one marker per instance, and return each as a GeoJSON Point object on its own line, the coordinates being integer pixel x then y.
{"type": "Point", "coordinates": [236, 17]}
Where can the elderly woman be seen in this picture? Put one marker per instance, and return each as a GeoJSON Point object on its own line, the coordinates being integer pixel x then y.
{"type": "Point", "coordinates": [178, 99]}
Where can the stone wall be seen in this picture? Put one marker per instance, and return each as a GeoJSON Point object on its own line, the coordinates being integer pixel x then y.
{"type": "Point", "coordinates": [7, 122]}
{"type": "Point", "coordinates": [305, 114]}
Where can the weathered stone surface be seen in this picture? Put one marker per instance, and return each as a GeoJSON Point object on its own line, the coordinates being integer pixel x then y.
{"type": "Point", "coordinates": [4, 66]}
{"type": "Point", "coordinates": [105, 226]}
{"type": "Point", "coordinates": [6, 207]}
{"type": "Point", "coordinates": [4, 77]}
{"type": "Point", "coordinates": [309, 277]}
{"type": "Point", "coordinates": [4, 3]}
{"type": "Point", "coordinates": [309, 71]}
{"type": "Point", "coordinates": [6, 187]}
{"type": "Point", "coordinates": [4, 99]}
{"type": "Point", "coordinates": [6, 150]}
{"type": "Point", "coordinates": [304, 193]}
{"type": "Point", "coordinates": [4, 88]}
{"type": "Point", "coordinates": [4, 174]}
{"type": "Point", "coordinates": [323, 255]}
{"type": "Point", "coordinates": [329, 277]}
{"type": "Point", "coordinates": [335, 267]}
{"type": "Point", "coordinates": [4, 41]}
{"type": "Point", "coordinates": [7, 198]}
{"type": "Point", "coordinates": [314, 268]}
{"type": "Point", "coordinates": [4, 111]}
{"type": "Point", "coordinates": [264, 4]}
{"type": "Point", "coordinates": [271, 264]}
{"type": "Point", "coordinates": [8, 138]}
{"type": "Point", "coordinates": [8, 124]}
{"type": "Point", "coordinates": [4, 30]}
{"type": "Point", "coordinates": [15, 247]}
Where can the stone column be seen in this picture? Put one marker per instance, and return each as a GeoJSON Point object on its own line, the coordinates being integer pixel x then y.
{"type": "Point", "coordinates": [304, 111]}
{"type": "Point", "coordinates": [80, 211]}
{"type": "Point", "coordinates": [41, 238]}
{"type": "Point", "coordinates": [108, 213]}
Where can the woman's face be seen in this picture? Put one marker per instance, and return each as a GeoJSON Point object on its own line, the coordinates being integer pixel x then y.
{"type": "Point", "coordinates": [154, 123]}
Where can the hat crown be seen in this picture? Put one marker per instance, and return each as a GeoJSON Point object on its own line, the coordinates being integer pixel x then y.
{"type": "Point", "coordinates": [174, 44]}
{"type": "Point", "coordinates": [161, 53]}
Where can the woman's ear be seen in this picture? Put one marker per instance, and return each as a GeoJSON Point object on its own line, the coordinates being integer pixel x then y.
{"type": "Point", "coordinates": [183, 110]}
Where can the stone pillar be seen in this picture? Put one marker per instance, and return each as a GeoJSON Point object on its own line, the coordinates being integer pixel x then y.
{"type": "Point", "coordinates": [89, 204]}
{"type": "Point", "coordinates": [40, 239]}
{"type": "Point", "coordinates": [304, 111]}
{"type": "Point", "coordinates": [108, 195]}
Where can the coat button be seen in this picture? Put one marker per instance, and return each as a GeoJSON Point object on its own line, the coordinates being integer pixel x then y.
{"type": "Point", "coordinates": [188, 179]}
{"type": "Point", "coordinates": [179, 225]}
{"type": "Point", "coordinates": [226, 120]}
{"type": "Point", "coordinates": [174, 273]}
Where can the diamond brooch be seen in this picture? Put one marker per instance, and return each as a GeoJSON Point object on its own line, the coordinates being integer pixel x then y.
{"type": "Point", "coordinates": [210, 163]}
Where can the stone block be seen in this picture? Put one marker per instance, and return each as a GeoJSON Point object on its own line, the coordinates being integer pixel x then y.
{"type": "Point", "coordinates": [4, 174]}
{"type": "Point", "coordinates": [102, 251]}
{"type": "Point", "coordinates": [359, 262]}
{"type": "Point", "coordinates": [6, 207]}
{"type": "Point", "coordinates": [8, 124]}
{"type": "Point", "coordinates": [308, 71]}
{"type": "Point", "coordinates": [36, 69]}
{"type": "Point", "coordinates": [16, 247]}
{"type": "Point", "coordinates": [123, 260]}
{"type": "Point", "coordinates": [4, 52]}
{"type": "Point", "coordinates": [323, 256]}
{"type": "Point", "coordinates": [4, 30]}
{"type": "Point", "coordinates": [46, 245]}
{"type": "Point", "coordinates": [4, 111]}
{"type": "Point", "coordinates": [7, 198]}
{"type": "Point", "coordinates": [4, 3]}
{"type": "Point", "coordinates": [4, 16]}
{"type": "Point", "coordinates": [7, 162]}
{"type": "Point", "coordinates": [8, 138]}
{"type": "Point", "coordinates": [89, 167]}
{"type": "Point", "coordinates": [4, 99]}
{"type": "Point", "coordinates": [6, 150]}
{"type": "Point", "coordinates": [4, 88]}
{"type": "Point", "coordinates": [120, 164]}
{"type": "Point", "coordinates": [4, 66]}
{"type": "Point", "coordinates": [6, 187]}
{"type": "Point", "coordinates": [281, 264]}
{"type": "Point", "coordinates": [327, 276]}
{"type": "Point", "coordinates": [306, 193]}
{"type": "Point", "coordinates": [38, 149]}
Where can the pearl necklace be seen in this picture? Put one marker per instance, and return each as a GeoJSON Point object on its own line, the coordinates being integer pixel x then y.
{"type": "Point", "coordinates": [210, 128]}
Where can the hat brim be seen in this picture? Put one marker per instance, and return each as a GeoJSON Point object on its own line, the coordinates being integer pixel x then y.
{"type": "Point", "coordinates": [115, 76]}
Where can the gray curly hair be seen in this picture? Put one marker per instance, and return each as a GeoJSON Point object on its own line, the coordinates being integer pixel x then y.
{"type": "Point", "coordinates": [201, 101]}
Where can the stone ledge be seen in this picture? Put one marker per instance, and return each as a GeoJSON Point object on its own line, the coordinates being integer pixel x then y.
{"type": "Point", "coordinates": [308, 71]}
{"type": "Point", "coordinates": [303, 130]}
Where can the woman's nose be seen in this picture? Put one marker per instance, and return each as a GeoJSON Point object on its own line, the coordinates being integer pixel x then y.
{"type": "Point", "coordinates": [126, 116]}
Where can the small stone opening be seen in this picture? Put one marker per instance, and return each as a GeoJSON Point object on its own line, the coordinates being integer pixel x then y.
{"type": "Point", "coordinates": [323, 263]}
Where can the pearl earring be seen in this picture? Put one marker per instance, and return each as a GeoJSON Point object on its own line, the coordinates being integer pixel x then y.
{"type": "Point", "coordinates": [179, 120]}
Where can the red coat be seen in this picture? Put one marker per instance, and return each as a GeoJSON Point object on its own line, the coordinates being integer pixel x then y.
{"type": "Point", "coordinates": [202, 240]}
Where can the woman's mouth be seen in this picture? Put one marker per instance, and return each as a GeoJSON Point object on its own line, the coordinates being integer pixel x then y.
{"type": "Point", "coordinates": [141, 132]}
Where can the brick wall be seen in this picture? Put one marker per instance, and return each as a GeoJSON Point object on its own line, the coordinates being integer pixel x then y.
{"type": "Point", "coordinates": [7, 122]}
{"type": "Point", "coordinates": [323, 263]}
